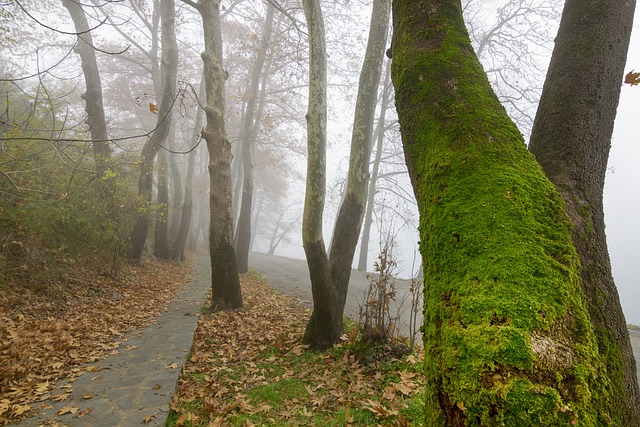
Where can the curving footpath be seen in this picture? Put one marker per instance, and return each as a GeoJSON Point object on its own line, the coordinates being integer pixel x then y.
{"type": "Point", "coordinates": [135, 386]}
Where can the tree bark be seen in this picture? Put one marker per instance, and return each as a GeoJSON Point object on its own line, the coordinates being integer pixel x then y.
{"type": "Point", "coordinates": [508, 340]}
{"type": "Point", "coordinates": [330, 293]}
{"type": "Point", "coordinates": [169, 67]}
{"type": "Point", "coordinates": [177, 250]}
{"type": "Point", "coordinates": [161, 229]}
{"type": "Point", "coordinates": [249, 128]}
{"type": "Point", "coordinates": [318, 334]}
{"type": "Point", "coordinates": [571, 139]}
{"type": "Point", "coordinates": [93, 94]}
{"type": "Point", "coordinates": [225, 283]}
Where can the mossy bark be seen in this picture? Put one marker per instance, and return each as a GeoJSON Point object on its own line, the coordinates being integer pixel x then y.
{"type": "Point", "coordinates": [507, 336]}
{"type": "Point", "coordinates": [571, 139]}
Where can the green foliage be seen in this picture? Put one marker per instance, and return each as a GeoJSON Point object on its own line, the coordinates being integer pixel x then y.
{"type": "Point", "coordinates": [55, 212]}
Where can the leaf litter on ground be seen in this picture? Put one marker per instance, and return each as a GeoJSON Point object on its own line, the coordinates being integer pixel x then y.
{"type": "Point", "coordinates": [57, 335]}
{"type": "Point", "coordinates": [248, 368]}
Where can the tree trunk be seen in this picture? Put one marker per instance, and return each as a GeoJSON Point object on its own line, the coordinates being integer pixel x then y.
{"type": "Point", "coordinates": [93, 94]}
{"type": "Point", "coordinates": [177, 250]}
{"type": "Point", "coordinates": [349, 220]}
{"type": "Point", "coordinates": [507, 335]}
{"type": "Point", "coordinates": [318, 334]}
{"type": "Point", "coordinates": [161, 229]}
{"type": "Point", "coordinates": [177, 197]}
{"type": "Point", "coordinates": [378, 136]}
{"type": "Point", "coordinates": [169, 73]}
{"type": "Point", "coordinates": [571, 139]}
{"type": "Point", "coordinates": [249, 128]}
{"type": "Point", "coordinates": [225, 283]}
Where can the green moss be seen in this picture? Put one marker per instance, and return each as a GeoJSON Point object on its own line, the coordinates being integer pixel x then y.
{"type": "Point", "coordinates": [506, 332]}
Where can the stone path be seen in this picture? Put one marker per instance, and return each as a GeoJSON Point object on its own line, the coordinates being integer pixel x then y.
{"type": "Point", "coordinates": [139, 381]}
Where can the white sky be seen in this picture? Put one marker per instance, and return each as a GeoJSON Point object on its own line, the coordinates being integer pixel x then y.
{"type": "Point", "coordinates": [621, 194]}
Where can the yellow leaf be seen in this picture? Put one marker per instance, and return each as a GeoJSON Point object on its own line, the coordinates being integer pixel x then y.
{"type": "Point", "coordinates": [20, 409]}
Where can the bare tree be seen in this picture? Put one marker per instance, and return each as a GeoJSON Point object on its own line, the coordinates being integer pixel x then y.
{"type": "Point", "coordinates": [169, 67]}
{"type": "Point", "coordinates": [225, 283]}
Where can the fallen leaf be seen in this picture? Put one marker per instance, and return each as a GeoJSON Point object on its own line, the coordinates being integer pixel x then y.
{"type": "Point", "coordinates": [172, 366]}
{"type": "Point", "coordinates": [86, 396]}
{"type": "Point", "coordinates": [156, 387]}
{"type": "Point", "coordinates": [18, 410]}
{"type": "Point", "coordinates": [149, 418]}
{"type": "Point", "coordinates": [68, 410]}
{"type": "Point", "coordinates": [85, 412]}
{"type": "Point", "coordinates": [60, 397]}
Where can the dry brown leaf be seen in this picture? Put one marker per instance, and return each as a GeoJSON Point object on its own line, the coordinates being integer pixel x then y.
{"type": "Point", "coordinates": [68, 410]}
{"type": "Point", "coordinates": [85, 412]}
{"type": "Point", "coordinates": [149, 418]}
{"type": "Point", "coordinates": [86, 396]}
{"type": "Point", "coordinates": [60, 397]}
{"type": "Point", "coordinates": [156, 387]}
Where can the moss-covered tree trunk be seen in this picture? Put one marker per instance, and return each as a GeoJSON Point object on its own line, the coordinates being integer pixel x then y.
{"type": "Point", "coordinates": [571, 139]}
{"type": "Point", "coordinates": [330, 289]}
{"type": "Point", "coordinates": [507, 335]}
{"type": "Point", "coordinates": [225, 283]}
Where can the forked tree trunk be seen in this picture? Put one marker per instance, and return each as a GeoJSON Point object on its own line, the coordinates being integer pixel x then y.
{"type": "Point", "coordinates": [330, 290]}
{"type": "Point", "coordinates": [319, 334]}
{"type": "Point", "coordinates": [571, 139]}
{"type": "Point", "coordinates": [508, 340]}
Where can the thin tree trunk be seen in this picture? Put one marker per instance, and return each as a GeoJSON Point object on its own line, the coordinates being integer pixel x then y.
{"type": "Point", "coordinates": [378, 136]}
{"type": "Point", "coordinates": [243, 230]}
{"type": "Point", "coordinates": [93, 94]}
{"type": "Point", "coordinates": [161, 229]}
{"type": "Point", "coordinates": [177, 198]}
{"type": "Point", "coordinates": [571, 139]}
{"type": "Point", "coordinates": [169, 73]}
{"type": "Point", "coordinates": [177, 250]}
{"type": "Point", "coordinates": [508, 340]}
